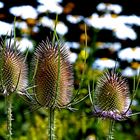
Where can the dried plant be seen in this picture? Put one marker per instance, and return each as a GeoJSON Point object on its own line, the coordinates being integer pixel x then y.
{"type": "Point", "coordinates": [13, 70]}
{"type": "Point", "coordinates": [51, 68]}
{"type": "Point", "coordinates": [53, 79]}
{"type": "Point", "coordinates": [13, 77]}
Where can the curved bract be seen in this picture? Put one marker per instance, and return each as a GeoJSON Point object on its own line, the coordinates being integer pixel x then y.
{"type": "Point", "coordinates": [53, 77]}
{"type": "Point", "coordinates": [111, 99]}
{"type": "Point", "coordinates": [13, 73]}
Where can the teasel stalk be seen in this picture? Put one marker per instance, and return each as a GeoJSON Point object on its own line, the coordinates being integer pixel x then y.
{"type": "Point", "coordinates": [9, 116]}
{"type": "Point", "coordinates": [53, 79]}
{"type": "Point", "coordinates": [13, 77]}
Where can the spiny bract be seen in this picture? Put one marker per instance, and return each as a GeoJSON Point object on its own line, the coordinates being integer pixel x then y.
{"type": "Point", "coordinates": [52, 60]}
{"type": "Point", "coordinates": [111, 99]}
{"type": "Point", "coordinates": [13, 73]}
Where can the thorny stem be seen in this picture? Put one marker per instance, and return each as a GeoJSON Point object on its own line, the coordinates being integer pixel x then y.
{"type": "Point", "coordinates": [51, 123]}
{"type": "Point", "coordinates": [135, 89]}
{"type": "Point", "coordinates": [58, 79]}
{"type": "Point", "coordinates": [111, 130]}
{"type": "Point", "coordinates": [9, 116]}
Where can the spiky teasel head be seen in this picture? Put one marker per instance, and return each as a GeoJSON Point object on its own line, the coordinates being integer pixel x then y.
{"type": "Point", "coordinates": [111, 98]}
{"type": "Point", "coordinates": [13, 73]}
{"type": "Point", "coordinates": [53, 77]}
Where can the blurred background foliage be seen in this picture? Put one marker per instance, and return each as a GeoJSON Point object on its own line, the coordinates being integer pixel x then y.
{"type": "Point", "coordinates": [113, 29]}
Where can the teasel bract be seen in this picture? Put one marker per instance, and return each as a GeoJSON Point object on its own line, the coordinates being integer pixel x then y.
{"type": "Point", "coordinates": [13, 73]}
{"type": "Point", "coordinates": [111, 98]}
{"type": "Point", "coordinates": [53, 76]}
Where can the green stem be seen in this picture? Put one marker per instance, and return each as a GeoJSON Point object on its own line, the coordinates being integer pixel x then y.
{"type": "Point", "coordinates": [111, 130]}
{"type": "Point", "coordinates": [51, 123]}
{"type": "Point", "coordinates": [9, 116]}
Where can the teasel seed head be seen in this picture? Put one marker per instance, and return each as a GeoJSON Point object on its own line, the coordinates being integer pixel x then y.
{"type": "Point", "coordinates": [111, 99]}
{"type": "Point", "coordinates": [13, 69]}
{"type": "Point", "coordinates": [47, 58]}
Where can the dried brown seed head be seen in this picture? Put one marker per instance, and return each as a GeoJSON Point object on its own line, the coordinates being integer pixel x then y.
{"type": "Point", "coordinates": [13, 70]}
{"type": "Point", "coordinates": [47, 57]}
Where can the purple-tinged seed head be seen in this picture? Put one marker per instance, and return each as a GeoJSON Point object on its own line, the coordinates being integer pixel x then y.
{"type": "Point", "coordinates": [111, 98]}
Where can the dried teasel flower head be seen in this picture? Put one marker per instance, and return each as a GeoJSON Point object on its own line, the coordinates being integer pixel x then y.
{"type": "Point", "coordinates": [13, 73]}
{"type": "Point", "coordinates": [111, 98]}
{"type": "Point", "coordinates": [53, 77]}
